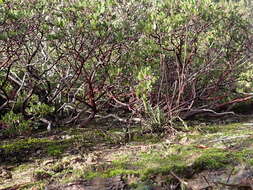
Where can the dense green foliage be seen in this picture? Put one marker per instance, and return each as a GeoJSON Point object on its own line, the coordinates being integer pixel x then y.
{"type": "Point", "coordinates": [66, 61]}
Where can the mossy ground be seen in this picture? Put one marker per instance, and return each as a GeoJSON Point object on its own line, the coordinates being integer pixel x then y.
{"type": "Point", "coordinates": [65, 155]}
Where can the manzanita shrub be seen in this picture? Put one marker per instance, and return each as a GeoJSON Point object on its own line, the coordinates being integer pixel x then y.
{"type": "Point", "coordinates": [66, 61]}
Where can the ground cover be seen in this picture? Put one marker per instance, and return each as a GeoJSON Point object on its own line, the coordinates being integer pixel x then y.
{"type": "Point", "coordinates": [205, 155]}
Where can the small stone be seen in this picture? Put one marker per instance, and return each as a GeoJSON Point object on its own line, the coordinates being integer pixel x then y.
{"type": "Point", "coordinates": [66, 137]}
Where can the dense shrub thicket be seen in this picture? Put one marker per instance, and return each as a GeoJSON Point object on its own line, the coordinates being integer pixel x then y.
{"type": "Point", "coordinates": [63, 62]}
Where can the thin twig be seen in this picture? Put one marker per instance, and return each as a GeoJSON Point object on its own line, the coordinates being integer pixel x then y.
{"type": "Point", "coordinates": [206, 180]}
{"type": "Point", "coordinates": [230, 175]}
{"type": "Point", "coordinates": [181, 180]}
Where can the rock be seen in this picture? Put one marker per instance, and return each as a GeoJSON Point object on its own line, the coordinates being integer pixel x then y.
{"type": "Point", "coordinates": [66, 137]}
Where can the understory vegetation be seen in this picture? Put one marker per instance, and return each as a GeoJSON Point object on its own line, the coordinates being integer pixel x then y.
{"type": "Point", "coordinates": [145, 94]}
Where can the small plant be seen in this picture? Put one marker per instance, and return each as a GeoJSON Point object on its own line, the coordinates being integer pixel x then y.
{"type": "Point", "coordinates": [37, 108]}
{"type": "Point", "coordinates": [17, 124]}
{"type": "Point", "coordinates": [55, 150]}
{"type": "Point", "coordinates": [156, 120]}
{"type": "Point", "coordinates": [155, 116]}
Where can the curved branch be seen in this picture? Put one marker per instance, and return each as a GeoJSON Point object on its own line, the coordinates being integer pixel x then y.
{"type": "Point", "coordinates": [201, 111]}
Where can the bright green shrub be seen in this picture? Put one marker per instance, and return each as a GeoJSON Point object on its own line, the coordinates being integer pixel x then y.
{"type": "Point", "coordinates": [16, 123]}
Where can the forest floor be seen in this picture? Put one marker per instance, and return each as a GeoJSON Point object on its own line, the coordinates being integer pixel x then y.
{"type": "Point", "coordinates": [206, 155]}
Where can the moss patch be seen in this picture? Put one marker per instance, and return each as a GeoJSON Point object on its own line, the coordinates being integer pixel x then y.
{"type": "Point", "coordinates": [24, 144]}
{"type": "Point", "coordinates": [213, 159]}
{"type": "Point", "coordinates": [27, 149]}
